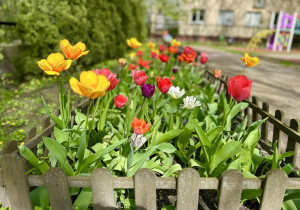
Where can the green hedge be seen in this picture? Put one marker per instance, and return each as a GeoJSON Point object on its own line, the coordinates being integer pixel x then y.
{"type": "Point", "coordinates": [103, 25]}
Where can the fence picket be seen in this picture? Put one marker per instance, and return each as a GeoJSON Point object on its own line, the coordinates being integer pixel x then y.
{"type": "Point", "coordinates": [277, 132]}
{"type": "Point", "coordinates": [274, 189]}
{"type": "Point", "coordinates": [9, 147]}
{"type": "Point", "coordinates": [187, 189]}
{"type": "Point", "coordinates": [265, 125]}
{"type": "Point", "coordinates": [102, 189]}
{"type": "Point", "coordinates": [145, 189]}
{"type": "Point", "coordinates": [292, 145]}
{"type": "Point", "coordinates": [231, 190]}
{"type": "Point", "coordinates": [58, 189]}
{"type": "Point", "coordinates": [16, 182]}
{"type": "Point", "coordinates": [254, 113]}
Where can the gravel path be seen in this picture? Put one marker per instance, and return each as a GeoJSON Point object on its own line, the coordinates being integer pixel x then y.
{"type": "Point", "coordinates": [276, 84]}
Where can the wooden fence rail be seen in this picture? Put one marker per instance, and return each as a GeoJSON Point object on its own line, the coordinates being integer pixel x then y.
{"type": "Point", "coordinates": [279, 126]}
{"type": "Point", "coordinates": [144, 183]}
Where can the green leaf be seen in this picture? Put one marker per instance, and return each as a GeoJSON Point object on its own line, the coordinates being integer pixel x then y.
{"type": "Point", "coordinates": [32, 159]}
{"type": "Point", "coordinates": [252, 127]}
{"type": "Point", "coordinates": [58, 122]}
{"type": "Point", "coordinates": [130, 157]}
{"type": "Point", "coordinates": [39, 197]}
{"type": "Point", "coordinates": [193, 163]}
{"type": "Point", "coordinates": [84, 199]}
{"type": "Point", "coordinates": [183, 139]}
{"type": "Point", "coordinates": [172, 170]}
{"type": "Point", "coordinates": [93, 158]}
{"type": "Point", "coordinates": [204, 141]}
{"type": "Point", "coordinates": [142, 161]}
{"type": "Point", "coordinates": [60, 153]}
{"type": "Point", "coordinates": [168, 136]}
{"type": "Point", "coordinates": [227, 151]}
{"type": "Point", "coordinates": [81, 148]}
{"type": "Point", "coordinates": [167, 148]}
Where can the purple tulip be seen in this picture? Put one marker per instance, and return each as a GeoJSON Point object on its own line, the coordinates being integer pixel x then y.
{"type": "Point", "coordinates": [174, 71]}
{"type": "Point", "coordinates": [148, 90]}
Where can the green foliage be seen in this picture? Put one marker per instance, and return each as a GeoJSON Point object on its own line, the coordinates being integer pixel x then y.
{"type": "Point", "coordinates": [102, 25]}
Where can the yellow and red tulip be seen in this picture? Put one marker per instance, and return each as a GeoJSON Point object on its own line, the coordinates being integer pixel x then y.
{"type": "Point", "coordinates": [54, 64]}
{"type": "Point", "coordinates": [90, 85]}
{"type": "Point", "coordinates": [73, 52]}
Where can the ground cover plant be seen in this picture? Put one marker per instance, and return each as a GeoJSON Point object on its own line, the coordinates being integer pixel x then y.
{"type": "Point", "coordinates": [157, 112]}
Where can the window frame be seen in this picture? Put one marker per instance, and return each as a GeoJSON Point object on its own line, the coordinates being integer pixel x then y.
{"type": "Point", "coordinates": [223, 12]}
{"type": "Point", "coordinates": [199, 12]}
{"type": "Point", "coordinates": [253, 14]}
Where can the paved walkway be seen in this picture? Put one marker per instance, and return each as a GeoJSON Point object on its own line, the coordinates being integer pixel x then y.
{"type": "Point", "coordinates": [273, 83]}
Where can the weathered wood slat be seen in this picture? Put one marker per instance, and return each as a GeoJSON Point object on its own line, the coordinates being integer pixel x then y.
{"type": "Point", "coordinates": [58, 189]}
{"type": "Point", "coordinates": [160, 183]}
{"type": "Point", "coordinates": [273, 190]}
{"type": "Point", "coordinates": [292, 145]}
{"type": "Point", "coordinates": [145, 189]}
{"type": "Point", "coordinates": [13, 167]}
{"type": "Point", "coordinates": [231, 190]}
{"type": "Point", "coordinates": [254, 113]}
{"type": "Point", "coordinates": [265, 125]}
{"type": "Point", "coordinates": [277, 132]}
{"type": "Point", "coordinates": [187, 189]}
{"type": "Point", "coordinates": [102, 188]}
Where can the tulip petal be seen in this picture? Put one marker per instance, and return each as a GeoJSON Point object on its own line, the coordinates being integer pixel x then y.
{"type": "Point", "coordinates": [81, 46]}
{"type": "Point", "coordinates": [55, 58]}
{"type": "Point", "coordinates": [89, 79]}
{"type": "Point", "coordinates": [44, 65]}
{"type": "Point", "coordinates": [52, 73]}
{"type": "Point", "coordinates": [83, 53]}
{"type": "Point", "coordinates": [74, 83]}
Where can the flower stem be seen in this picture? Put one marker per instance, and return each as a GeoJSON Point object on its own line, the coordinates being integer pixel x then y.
{"type": "Point", "coordinates": [140, 112]}
{"type": "Point", "coordinates": [94, 113]}
{"type": "Point", "coordinates": [87, 119]}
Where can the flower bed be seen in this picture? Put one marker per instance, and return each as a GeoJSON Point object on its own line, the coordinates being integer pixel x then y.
{"type": "Point", "coordinates": [170, 131]}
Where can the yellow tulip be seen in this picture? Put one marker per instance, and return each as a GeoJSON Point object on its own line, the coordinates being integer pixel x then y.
{"type": "Point", "coordinates": [151, 45]}
{"type": "Point", "coordinates": [91, 85]}
{"type": "Point", "coordinates": [174, 43]}
{"type": "Point", "coordinates": [54, 64]}
{"type": "Point", "coordinates": [132, 55]}
{"type": "Point", "coordinates": [133, 43]}
{"type": "Point", "coordinates": [250, 61]}
{"type": "Point", "coordinates": [73, 52]}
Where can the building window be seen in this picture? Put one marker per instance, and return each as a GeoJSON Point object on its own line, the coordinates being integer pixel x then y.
{"type": "Point", "coordinates": [198, 16]}
{"type": "Point", "coordinates": [253, 19]}
{"type": "Point", "coordinates": [259, 3]}
{"type": "Point", "coordinates": [226, 18]}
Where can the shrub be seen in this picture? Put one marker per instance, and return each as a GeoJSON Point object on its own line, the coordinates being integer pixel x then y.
{"type": "Point", "coordinates": [102, 25]}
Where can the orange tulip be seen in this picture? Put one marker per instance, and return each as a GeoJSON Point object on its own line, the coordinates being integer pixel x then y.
{"type": "Point", "coordinates": [140, 126]}
{"type": "Point", "coordinates": [217, 73]}
{"type": "Point", "coordinates": [54, 64]}
{"type": "Point", "coordinates": [73, 52]}
{"type": "Point", "coordinates": [250, 61]}
{"type": "Point", "coordinates": [91, 85]}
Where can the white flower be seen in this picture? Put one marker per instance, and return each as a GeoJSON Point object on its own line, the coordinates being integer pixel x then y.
{"type": "Point", "coordinates": [175, 92]}
{"type": "Point", "coordinates": [190, 102]}
{"type": "Point", "coordinates": [137, 140]}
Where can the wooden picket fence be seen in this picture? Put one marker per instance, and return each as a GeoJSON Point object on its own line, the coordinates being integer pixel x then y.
{"type": "Point", "coordinates": [145, 183]}
{"type": "Point", "coordinates": [15, 183]}
{"type": "Point", "coordinates": [279, 127]}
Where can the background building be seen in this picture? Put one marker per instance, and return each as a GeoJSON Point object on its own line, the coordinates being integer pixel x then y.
{"type": "Point", "coordinates": [239, 19]}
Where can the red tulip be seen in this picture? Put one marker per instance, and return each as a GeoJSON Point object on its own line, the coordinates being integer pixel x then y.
{"type": "Point", "coordinates": [112, 78]}
{"type": "Point", "coordinates": [153, 55]}
{"type": "Point", "coordinates": [188, 55]}
{"type": "Point", "coordinates": [204, 58]}
{"type": "Point", "coordinates": [163, 58]}
{"type": "Point", "coordinates": [239, 87]}
{"type": "Point", "coordinates": [120, 101]}
{"type": "Point", "coordinates": [164, 85]}
{"type": "Point", "coordinates": [188, 50]}
{"type": "Point", "coordinates": [161, 48]}
{"type": "Point", "coordinates": [144, 64]}
{"type": "Point", "coordinates": [132, 67]}
{"type": "Point", "coordinates": [139, 53]}
{"type": "Point", "coordinates": [139, 77]}
{"type": "Point", "coordinates": [172, 50]}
